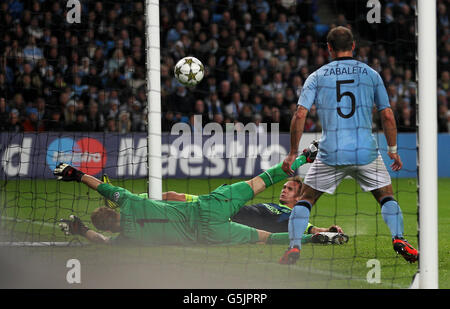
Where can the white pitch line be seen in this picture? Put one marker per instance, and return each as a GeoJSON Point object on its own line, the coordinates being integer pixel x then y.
{"type": "Point", "coordinates": [36, 243]}
{"type": "Point", "coordinates": [27, 221]}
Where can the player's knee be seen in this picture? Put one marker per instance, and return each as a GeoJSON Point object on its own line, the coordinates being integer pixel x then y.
{"type": "Point", "coordinates": [301, 209]}
{"type": "Point", "coordinates": [309, 194]}
{"type": "Point", "coordinates": [257, 184]}
{"type": "Point", "coordinates": [389, 206]}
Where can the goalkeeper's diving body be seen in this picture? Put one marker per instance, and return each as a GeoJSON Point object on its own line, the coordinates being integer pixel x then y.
{"type": "Point", "coordinates": [270, 217]}
{"type": "Point", "coordinates": [345, 92]}
{"type": "Point", "coordinates": [205, 220]}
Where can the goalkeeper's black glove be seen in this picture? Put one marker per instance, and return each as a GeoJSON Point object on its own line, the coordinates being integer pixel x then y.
{"type": "Point", "coordinates": [65, 172]}
{"type": "Point", "coordinates": [311, 152]}
{"type": "Point", "coordinates": [73, 226]}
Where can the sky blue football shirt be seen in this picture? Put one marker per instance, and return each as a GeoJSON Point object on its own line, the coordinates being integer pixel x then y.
{"type": "Point", "coordinates": [345, 92]}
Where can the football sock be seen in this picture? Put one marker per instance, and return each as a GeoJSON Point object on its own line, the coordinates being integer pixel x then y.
{"type": "Point", "coordinates": [276, 174]}
{"type": "Point", "coordinates": [298, 222]}
{"type": "Point", "coordinates": [283, 238]}
{"type": "Point", "coordinates": [392, 215]}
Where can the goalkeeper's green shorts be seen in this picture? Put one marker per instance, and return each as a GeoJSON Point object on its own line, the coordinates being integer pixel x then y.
{"type": "Point", "coordinates": [215, 211]}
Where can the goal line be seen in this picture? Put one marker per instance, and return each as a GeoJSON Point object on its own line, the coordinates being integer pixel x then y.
{"type": "Point", "coordinates": [37, 243]}
{"type": "Point", "coordinates": [41, 244]}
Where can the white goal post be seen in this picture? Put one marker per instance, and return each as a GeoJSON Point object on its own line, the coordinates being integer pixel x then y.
{"type": "Point", "coordinates": [427, 145]}
{"type": "Point", "coordinates": [153, 99]}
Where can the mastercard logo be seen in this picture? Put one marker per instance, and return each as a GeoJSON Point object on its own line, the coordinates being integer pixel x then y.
{"type": "Point", "coordinates": [86, 154]}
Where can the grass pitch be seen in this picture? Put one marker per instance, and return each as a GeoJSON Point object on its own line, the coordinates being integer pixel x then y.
{"type": "Point", "coordinates": [30, 211]}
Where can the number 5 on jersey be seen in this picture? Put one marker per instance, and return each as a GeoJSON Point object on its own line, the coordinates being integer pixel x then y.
{"type": "Point", "coordinates": [340, 95]}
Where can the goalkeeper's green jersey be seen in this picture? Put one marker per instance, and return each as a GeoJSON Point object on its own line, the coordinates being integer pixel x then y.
{"type": "Point", "coordinates": [204, 219]}
{"type": "Point", "coordinates": [151, 221]}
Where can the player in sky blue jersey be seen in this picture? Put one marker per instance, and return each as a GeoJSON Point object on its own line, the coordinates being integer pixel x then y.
{"type": "Point", "coordinates": [345, 92]}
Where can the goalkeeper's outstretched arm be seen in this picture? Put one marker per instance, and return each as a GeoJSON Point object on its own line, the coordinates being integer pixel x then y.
{"type": "Point", "coordinates": [65, 172]}
{"type": "Point", "coordinates": [91, 181]}
{"type": "Point", "coordinates": [96, 237]}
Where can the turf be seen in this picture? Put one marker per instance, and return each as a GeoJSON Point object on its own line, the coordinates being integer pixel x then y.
{"type": "Point", "coordinates": [31, 209]}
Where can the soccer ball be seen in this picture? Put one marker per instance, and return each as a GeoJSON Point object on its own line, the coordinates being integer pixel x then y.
{"type": "Point", "coordinates": [189, 71]}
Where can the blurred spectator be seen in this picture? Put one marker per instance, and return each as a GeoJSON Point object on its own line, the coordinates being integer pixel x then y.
{"type": "Point", "coordinates": [70, 113]}
{"type": "Point", "coordinates": [124, 122]}
{"type": "Point", "coordinates": [406, 121]}
{"type": "Point", "coordinates": [111, 125]}
{"type": "Point", "coordinates": [32, 122]}
{"type": "Point", "coordinates": [137, 116]}
{"type": "Point", "coordinates": [225, 92]}
{"type": "Point", "coordinates": [55, 122]}
{"type": "Point", "coordinates": [200, 109]}
{"type": "Point", "coordinates": [95, 120]}
{"type": "Point", "coordinates": [246, 115]}
{"type": "Point", "coordinates": [214, 105]}
{"type": "Point", "coordinates": [168, 121]}
{"type": "Point", "coordinates": [4, 115]}
{"type": "Point", "coordinates": [80, 124]}
{"type": "Point", "coordinates": [14, 125]}
{"type": "Point", "coordinates": [32, 52]}
{"type": "Point", "coordinates": [443, 113]}
{"type": "Point", "coordinates": [182, 100]}
{"type": "Point", "coordinates": [234, 107]}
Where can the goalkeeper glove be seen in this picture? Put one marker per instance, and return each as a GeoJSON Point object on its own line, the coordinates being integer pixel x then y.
{"type": "Point", "coordinates": [311, 152]}
{"type": "Point", "coordinates": [65, 172]}
{"type": "Point", "coordinates": [73, 226]}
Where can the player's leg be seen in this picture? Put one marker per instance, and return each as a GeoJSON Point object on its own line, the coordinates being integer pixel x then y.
{"type": "Point", "coordinates": [320, 178]}
{"type": "Point", "coordinates": [223, 203]}
{"type": "Point", "coordinates": [238, 194]}
{"type": "Point", "coordinates": [393, 217]}
{"type": "Point", "coordinates": [390, 210]}
{"type": "Point", "coordinates": [282, 238]}
{"type": "Point", "coordinates": [276, 174]}
{"type": "Point", "coordinates": [375, 178]}
{"type": "Point", "coordinates": [235, 233]}
{"type": "Point", "coordinates": [232, 233]}
{"type": "Point", "coordinates": [299, 218]}
{"type": "Point", "coordinates": [298, 221]}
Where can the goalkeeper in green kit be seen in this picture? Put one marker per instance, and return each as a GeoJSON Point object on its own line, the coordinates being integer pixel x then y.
{"type": "Point", "coordinates": [205, 220]}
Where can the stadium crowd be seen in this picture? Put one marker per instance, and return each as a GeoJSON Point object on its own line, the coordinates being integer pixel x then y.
{"type": "Point", "coordinates": [91, 76]}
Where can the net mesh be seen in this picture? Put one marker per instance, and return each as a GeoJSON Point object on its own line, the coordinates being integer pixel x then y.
{"type": "Point", "coordinates": [76, 92]}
